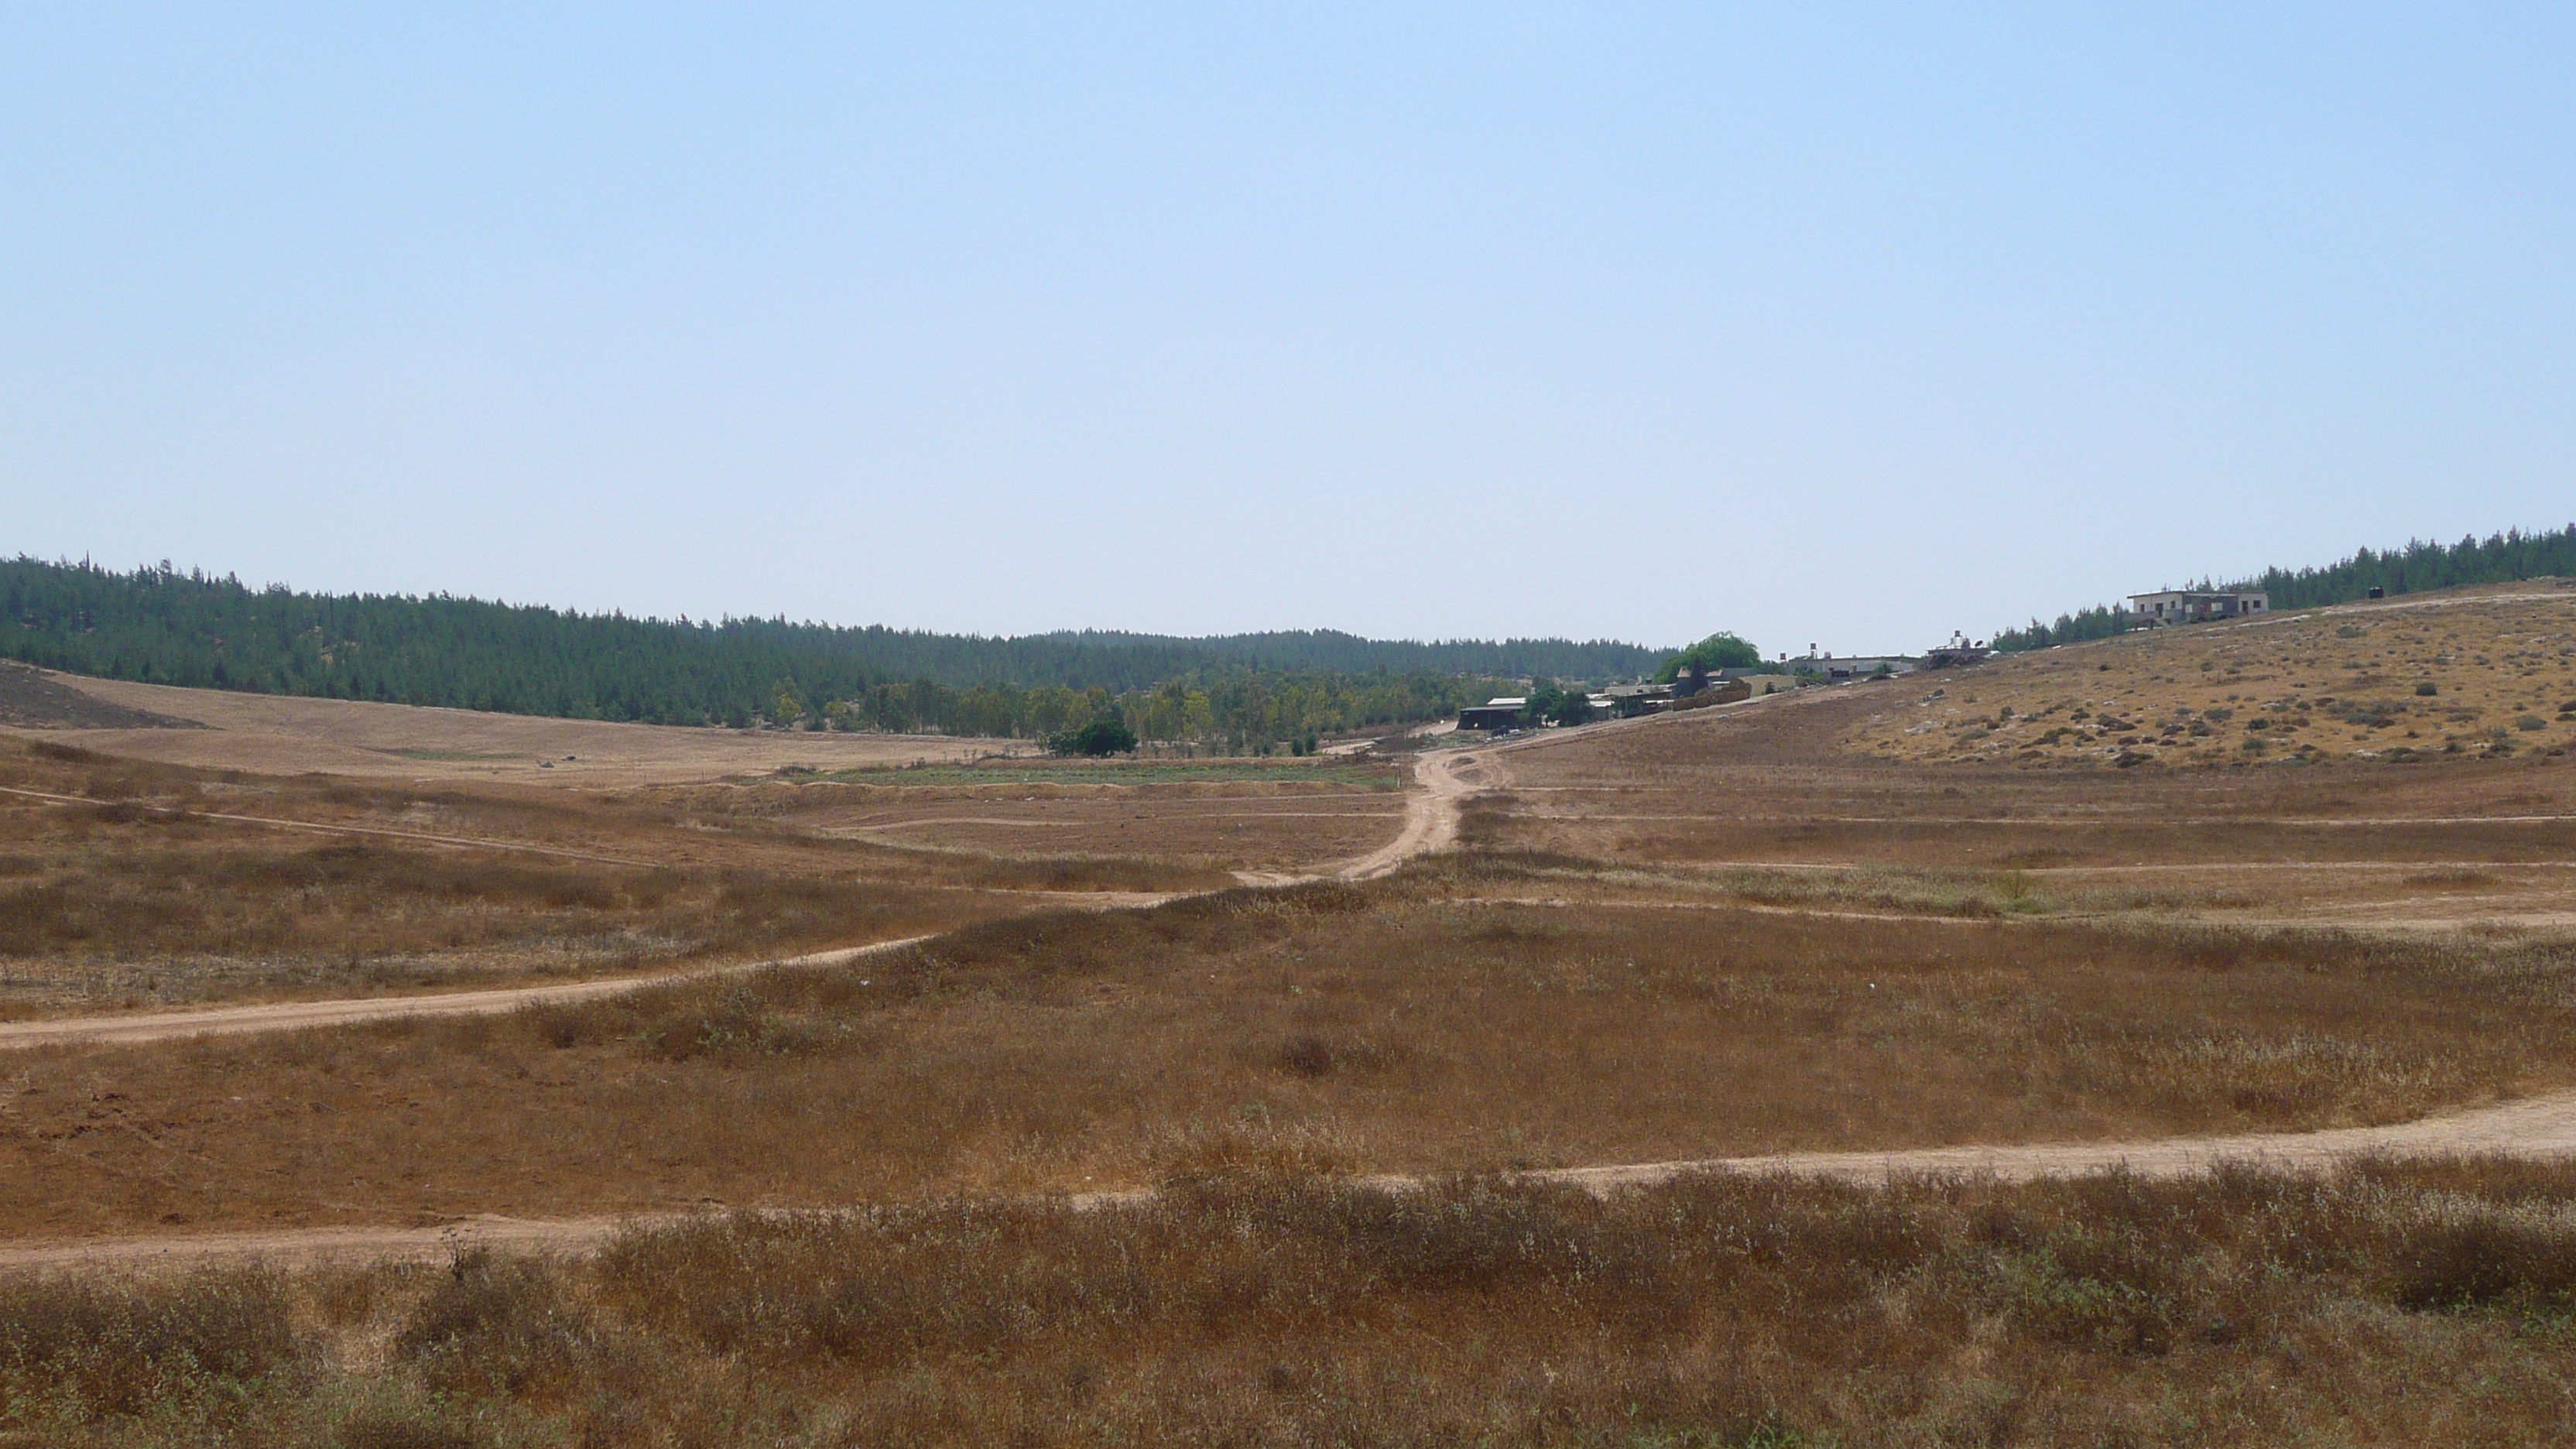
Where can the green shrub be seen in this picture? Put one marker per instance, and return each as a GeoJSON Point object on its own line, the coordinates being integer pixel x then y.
{"type": "Point", "coordinates": [1109, 736]}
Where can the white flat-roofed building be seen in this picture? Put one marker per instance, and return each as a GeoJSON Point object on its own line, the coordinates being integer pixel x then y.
{"type": "Point", "coordinates": [2191, 606]}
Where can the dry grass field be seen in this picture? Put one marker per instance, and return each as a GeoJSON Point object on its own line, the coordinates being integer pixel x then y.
{"type": "Point", "coordinates": [1351, 1028]}
{"type": "Point", "coordinates": [1783, 927]}
{"type": "Point", "coordinates": [1285, 815]}
{"type": "Point", "coordinates": [128, 885]}
{"type": "Point", "coordinates": [287, 735]}
{"type": "Point", "coordinates": [2385, 1304]}
{"type": "Point", "coordinates": [1759, 804]}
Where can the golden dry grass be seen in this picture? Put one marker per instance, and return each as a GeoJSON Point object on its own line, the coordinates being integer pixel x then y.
{"type": "Point", "coordinates": [1745, 795]}
{"type": "Point", "coordinates": [2430, 1303]}
{"type": "Point", "coordinates": [356, 739]}
{"type": "Point", "coordinates": [1258, 815]}
{"type": "Point", "coordinates": [1328, 1027]}
{"type": "Point", "coordinates": [144, 895]}
{"type": "Point", "coordinates": [1751, 940]}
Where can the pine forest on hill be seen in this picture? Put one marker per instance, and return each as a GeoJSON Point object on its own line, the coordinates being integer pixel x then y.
{"type": "Point", "coordinates": [2419, 566]}
{"type": "Point", "coordinates": [160, 626]}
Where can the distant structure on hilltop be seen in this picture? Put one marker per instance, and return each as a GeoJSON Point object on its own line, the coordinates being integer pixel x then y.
{"type": "Point", "coordinates": [1695, 685]}
{"type": "Point", "coordinates": [1959, 653]}
{"type": "Point", "coordinates": [1826, 666]}
{"type": "Point", "coordinates": [2192, 606]}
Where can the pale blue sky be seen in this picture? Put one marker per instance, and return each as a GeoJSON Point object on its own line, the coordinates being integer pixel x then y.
{"type": "Point", "coordinates": [1848, 326]}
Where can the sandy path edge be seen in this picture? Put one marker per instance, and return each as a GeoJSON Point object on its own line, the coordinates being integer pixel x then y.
{"type": "Point", "coordinates": [349, 1010]}
{"type": "Point", "coordinates": [1430, 818]}
{"type": "Point", "coordinates": [2536, 1127]}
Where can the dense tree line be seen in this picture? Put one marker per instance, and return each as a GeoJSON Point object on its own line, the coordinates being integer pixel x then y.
{"type": "Point", "coordinates": [165, 627]}
{"type": "Point", "coordinates": [1326, 651]}
{"type": "Point", "coordinates": [2499, 558]}
{"type": "Point", "coordinates": [1235, 704]}
{"type": "Point", "coordinates": [2099, 622]}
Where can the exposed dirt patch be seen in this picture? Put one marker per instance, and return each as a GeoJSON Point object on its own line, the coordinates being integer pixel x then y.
{"type": "Point", "coordinates": [38, 699]}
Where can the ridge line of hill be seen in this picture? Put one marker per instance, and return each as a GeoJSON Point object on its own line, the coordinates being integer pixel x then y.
{"type": "Point", "coordinates": [161, 626]}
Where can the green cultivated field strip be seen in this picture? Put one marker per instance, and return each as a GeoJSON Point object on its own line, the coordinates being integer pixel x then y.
{"type": "Point", "coordinates": [1229, 773]}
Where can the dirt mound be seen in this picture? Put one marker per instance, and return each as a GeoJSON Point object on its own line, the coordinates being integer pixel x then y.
{"type": "Point", "coordinates": [32, 698]}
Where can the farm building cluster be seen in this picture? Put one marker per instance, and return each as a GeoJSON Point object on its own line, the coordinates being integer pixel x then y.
{"type": "Point", "coordinates": [1695, 687]}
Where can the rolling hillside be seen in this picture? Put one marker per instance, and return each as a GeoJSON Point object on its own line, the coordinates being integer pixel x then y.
{"type": "Point", "coordinates": [2479, 673]}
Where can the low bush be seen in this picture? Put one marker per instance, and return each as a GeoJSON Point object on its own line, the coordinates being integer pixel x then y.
{"type": "Point", "coordinates": [2387, 1302]}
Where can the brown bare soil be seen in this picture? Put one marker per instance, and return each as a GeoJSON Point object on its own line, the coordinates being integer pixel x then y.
{"type": "Point", "coordinates": [2376, 1305]}
{"type": "Point", "coordinates": [40, 699]}
{"type": "Point", "coordinates": [1355, 1028]}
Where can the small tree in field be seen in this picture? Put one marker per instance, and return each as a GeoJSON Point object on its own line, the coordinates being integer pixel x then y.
{"type": "Point", "coordinates": [1107, 735]}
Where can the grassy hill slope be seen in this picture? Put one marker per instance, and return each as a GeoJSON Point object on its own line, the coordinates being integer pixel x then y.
{"type": "Point", "coordinates": [2469, 674]}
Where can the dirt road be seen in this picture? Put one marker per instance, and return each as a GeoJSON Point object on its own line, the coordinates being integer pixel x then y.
{"type": "Point", "coordinates": [2539, 1127]}
{"type": "Point", "coordinates": [345, 1011]}
{"type": "Point", "coordinates": [1447, 778]}
{"type": "Point", "coordinates": [1430, 823]}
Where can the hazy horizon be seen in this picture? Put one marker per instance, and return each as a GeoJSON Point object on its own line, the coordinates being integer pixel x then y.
{"type": "Point", "coordinates": [1850, 328]}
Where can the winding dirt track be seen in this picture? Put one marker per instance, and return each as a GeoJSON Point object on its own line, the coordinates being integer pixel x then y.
{"type": "Point", "coordinates": [2538, 1127]}
{"type": "Point", "coordinates": [1430, 816]}
{"type": "Point", "coordinates": [345, 1011]}
{"type": "Point", "coordinates": [1430, 823]}
{"type": "Point", "coordinates": [2535, 1127]}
